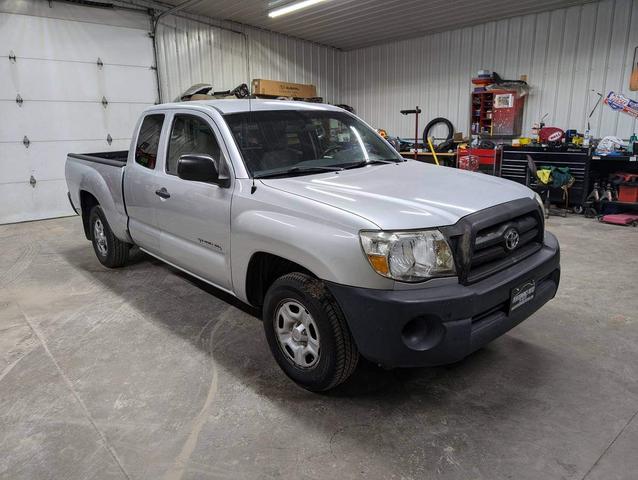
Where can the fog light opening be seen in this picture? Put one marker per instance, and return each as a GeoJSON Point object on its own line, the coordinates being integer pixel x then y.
{"type": "Point", "coordinates": [422, 333]}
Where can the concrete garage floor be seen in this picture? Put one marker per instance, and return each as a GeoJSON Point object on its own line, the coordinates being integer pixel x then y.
{"type": "Point", "coordinates": [143, 373]}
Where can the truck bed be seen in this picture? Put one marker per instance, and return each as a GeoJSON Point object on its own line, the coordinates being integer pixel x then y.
{"type": "Point", "coordinates": [99, 175]}
{"type": "Point", "coordinates": [115, 159]}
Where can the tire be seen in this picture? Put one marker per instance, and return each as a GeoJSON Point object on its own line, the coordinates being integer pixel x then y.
{"type": "Point", "coordinates": [109, 250]}
{"type": "Point", "coordinates": [431, 124]}
{"type": "Point", "coordinates": [325, 327]}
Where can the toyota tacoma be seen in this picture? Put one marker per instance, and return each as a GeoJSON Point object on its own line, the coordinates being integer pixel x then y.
{"type": "Point", "coordinates": [305, 212]}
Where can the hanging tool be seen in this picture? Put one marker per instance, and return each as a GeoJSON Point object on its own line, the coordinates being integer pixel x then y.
{"type": "Point", "coordinates": [600, 97]}
{"type": "Point", "coordinates": [436, 159]}
{"type": "Point", "coordinates": [416, 113]}
{"type": "Point", "coordinates": [588, 131]}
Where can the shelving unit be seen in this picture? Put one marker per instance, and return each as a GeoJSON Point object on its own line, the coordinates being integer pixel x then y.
{"type": "Point", "coordinates": [496, 113]}
{"type": "Point", "coordinates": [481, 121]}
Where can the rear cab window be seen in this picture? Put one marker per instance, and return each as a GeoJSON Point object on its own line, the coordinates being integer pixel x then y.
{"type": "Point", "coordinates": [148, 140]}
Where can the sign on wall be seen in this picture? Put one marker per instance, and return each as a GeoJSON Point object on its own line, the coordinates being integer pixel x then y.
{"type": "Point", "coordinates": [623, 104]}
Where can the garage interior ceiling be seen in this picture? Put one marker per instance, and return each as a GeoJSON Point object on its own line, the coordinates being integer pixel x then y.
{"type": "Point", "coordinates": [352, 24]}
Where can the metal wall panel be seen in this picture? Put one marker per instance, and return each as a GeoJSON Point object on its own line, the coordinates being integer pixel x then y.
{"type": "Point", "coordinates": [566, 54]}
{"type": "Point", "coordinates": [191, 52]}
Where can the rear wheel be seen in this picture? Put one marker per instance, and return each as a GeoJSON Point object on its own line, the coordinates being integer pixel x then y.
{"type": "Point", "coordinates": [110, 250]}
{"type": "Point", "coordinates": [307, 333]}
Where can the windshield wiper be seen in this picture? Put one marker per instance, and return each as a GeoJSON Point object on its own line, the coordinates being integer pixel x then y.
{"type": "Point", "coordinates": [363, 163]}
{"type": "Point", "coordinates": [294, 170]}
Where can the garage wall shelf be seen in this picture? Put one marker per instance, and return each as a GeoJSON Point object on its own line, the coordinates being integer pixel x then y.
{"type": "Point", "coordinates": [491, 118]}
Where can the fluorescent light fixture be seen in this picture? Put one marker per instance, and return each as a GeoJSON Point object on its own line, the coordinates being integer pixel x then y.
{"type": "Point", "coordinates": [293, 7]}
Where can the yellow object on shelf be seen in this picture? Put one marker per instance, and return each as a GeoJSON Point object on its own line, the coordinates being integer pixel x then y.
{"type": "Point", "coordinates": [519, 142]}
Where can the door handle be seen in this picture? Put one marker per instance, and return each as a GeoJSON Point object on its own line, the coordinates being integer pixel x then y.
{"type": "Point", "coordinates": [162, 192]}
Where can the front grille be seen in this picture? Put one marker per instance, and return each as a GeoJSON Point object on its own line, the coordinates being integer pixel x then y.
{"type": "Point", "coordinates": [490, 253]}
{"type": "Point", "coordinates": [480, 240]}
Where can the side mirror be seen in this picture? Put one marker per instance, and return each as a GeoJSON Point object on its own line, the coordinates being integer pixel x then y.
{"type": "Point", "coordinates": [200, 168]}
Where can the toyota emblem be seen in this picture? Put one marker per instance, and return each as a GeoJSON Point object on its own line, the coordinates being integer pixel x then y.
{"type": "Point", "coordinates": [511, 238]}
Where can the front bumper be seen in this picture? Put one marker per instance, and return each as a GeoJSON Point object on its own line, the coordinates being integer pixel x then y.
{"type": "Point", "coordinates": [441, 325]}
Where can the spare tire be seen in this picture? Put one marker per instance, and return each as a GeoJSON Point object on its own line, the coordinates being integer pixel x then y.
{"type": "Point", "coordinates": [436, 121]}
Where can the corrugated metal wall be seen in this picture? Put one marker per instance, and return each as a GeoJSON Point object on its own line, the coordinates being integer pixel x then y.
{"type": "Point", "coordinates": [191, 52]}
{"type": "Point", "coordinates": [566, 53]}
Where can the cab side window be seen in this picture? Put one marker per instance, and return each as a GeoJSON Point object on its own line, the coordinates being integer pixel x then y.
{"type": "Point", "coordinates": [148, 140]}
{"type": "Point", "coordinates": [192, 135]}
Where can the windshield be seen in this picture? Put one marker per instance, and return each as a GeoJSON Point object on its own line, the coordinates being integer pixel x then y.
{"type": "Point", "coordinates": [294, 142]}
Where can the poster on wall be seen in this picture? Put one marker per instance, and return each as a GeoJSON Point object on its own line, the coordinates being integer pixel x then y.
{"type": "Point", "coordinates": [504, 100]}
{"type": "Point", "coordinates": [621, 103]}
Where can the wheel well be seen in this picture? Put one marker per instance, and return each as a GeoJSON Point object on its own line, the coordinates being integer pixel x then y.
{"type": "Point", "coordinates": [263, 270]}
{"type": "Point", "coordinates": [87, 202]}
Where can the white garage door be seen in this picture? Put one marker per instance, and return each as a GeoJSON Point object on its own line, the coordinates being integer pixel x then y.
{"type": "Point", "coordinates": [52, 65]}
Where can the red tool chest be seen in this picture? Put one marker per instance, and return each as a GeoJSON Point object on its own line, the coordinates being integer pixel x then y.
{"type": "Point", "coordinates": [628, 187]}
{"type": "Point", "coordinates": [628, 193]}
{"type": "Point", "coordinates": [486, 160]}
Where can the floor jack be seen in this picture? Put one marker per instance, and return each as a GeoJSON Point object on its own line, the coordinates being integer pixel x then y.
{"type": "Point", "coordinates": [621, 219]}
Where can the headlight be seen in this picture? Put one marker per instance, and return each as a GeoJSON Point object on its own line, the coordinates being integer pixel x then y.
{"type": "Point", "coordinates": [540, 202]}
{"type": "Point", "coordinates": [408, 256]}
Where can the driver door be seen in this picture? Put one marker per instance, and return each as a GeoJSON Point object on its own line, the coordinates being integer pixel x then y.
{"type": "Point", "coordinates": [194, 217]}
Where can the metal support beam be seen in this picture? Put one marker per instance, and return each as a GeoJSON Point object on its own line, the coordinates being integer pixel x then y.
{"type": "Point", "coordinates": [154, 23]}
{"type": "Point", "coordinates": [155, 19]}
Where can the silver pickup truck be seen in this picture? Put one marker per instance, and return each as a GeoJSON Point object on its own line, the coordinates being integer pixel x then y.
{"type": "Point", "coordinates": [304, 212]}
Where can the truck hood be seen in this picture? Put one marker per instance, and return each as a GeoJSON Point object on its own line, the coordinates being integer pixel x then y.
{"type": "Point", "coordinates": [405, 195]}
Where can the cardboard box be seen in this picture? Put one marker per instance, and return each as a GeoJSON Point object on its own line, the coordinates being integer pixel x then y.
{"type": "Point", "coordinates": [283, 89]}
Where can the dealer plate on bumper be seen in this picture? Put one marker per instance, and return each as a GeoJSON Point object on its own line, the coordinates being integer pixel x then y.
{"type": "Point", "coordinates": [522, 294]}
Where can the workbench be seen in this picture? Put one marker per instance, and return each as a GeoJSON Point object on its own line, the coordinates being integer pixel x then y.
{"type": "Point", "coordinates": [445, 159]}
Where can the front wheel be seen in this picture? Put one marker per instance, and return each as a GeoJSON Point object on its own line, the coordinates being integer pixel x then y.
{"type": "Point", "coordinates": [110, 250]}
{"type": "Point", "coordinates": [307, 333]}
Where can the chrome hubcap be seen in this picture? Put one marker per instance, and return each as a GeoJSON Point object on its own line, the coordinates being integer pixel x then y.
{"type": "Point", "coordinates": [297, 333]}
{"type": "Point", "coordinates": [100, 237]}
